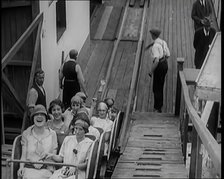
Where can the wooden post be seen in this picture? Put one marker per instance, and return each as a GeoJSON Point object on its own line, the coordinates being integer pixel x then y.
{"type": "Point", "coordinates": [2, 120]}
{"type": "Point", "coordinates": [33, 68]}
{"type": "Point", "coordinates": [185, 137]}
{"type": "Point", "coordinates": [180, 62]}
{"type": "Point", "coordinates": [196, 156]}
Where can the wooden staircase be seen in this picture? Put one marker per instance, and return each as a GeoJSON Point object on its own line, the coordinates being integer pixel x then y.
{"type": "Point", "coordinates": [153, 148]}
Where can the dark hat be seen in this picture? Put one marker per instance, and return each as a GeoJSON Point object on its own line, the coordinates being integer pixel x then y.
{"type": "Point", "coordinates": [81, 117]}
{"type": "Point", "coordinates": [39, 109]}
{"type": "Point", "coordinates": [73, 54]}
{"type": "Point", "coordinates": [155, 32]}
{"type": "Point", "coordinates": [206, 22]}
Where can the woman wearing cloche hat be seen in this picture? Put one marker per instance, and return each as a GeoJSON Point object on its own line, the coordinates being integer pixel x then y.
{"type": "Point", "coordinates": [37, 141]}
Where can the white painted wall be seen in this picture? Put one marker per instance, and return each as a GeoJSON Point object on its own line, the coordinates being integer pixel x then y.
{"type": "Point", "coordinates": [77, 30]}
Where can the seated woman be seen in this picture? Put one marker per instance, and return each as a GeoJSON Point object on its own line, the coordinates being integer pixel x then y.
{"type": "Point", "coordinates": [110, 105]}
{"type": "Point", "coordinates": [83, 97]}
{"type": "Point", "coordinates": [56, 122]}
{"type": "Point", "coordinates": [92, 130]}
{"type": "Point", "coordinates": [102, 121]}
{"type": "Point", "coordinates": [113, 113]}
{"type": "Point", "coordinates": [74, 150]}
{"type": "Point", "coordinates": [76, 104]}
{"type": "Point", "coordinates": [37, 141]}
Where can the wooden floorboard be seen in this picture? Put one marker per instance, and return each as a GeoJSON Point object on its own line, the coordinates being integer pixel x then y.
{"type": "Point", "coordinates": [153, 148]}
{"type": "Point", "coordinates": [103, 22]}
{"type": "Point", "coordinates": [95, 21]}
{"type": "Point", "coordinates": [111, 28]}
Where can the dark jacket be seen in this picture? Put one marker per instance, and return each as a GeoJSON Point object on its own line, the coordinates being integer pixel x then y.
{"type": "Point", "coordinates": [201, 44]}
{"type": "Point", "coordinates": [41, 97]}
{"type": "Point", "coordinates": [199, 12]}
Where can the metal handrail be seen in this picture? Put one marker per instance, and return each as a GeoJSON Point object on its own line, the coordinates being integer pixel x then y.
{"type": "Point", "coordinates": [39, 162]}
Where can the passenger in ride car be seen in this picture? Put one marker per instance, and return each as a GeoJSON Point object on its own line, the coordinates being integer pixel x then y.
{"type": "Point", "coordinates": [75, 150]}
{"type": "Point", "coordinates": [102, 121]}
{"type": "Point", "coordinates": [113, 113]}
{"type": "Point", "coordinates": [84, 107]}
{"type": "Point", "coordinates": [92, 130]}
{"type": "Point", "coordinates": [83, 97]}
{"type": "Point", "coordinates": [37, 141]}
{"type": "Point", "coordinates": [57, 120]}
{"type": "Point", "coordinates": [110, 104]}
{"type": "Point", "coordinates": [76, 104]}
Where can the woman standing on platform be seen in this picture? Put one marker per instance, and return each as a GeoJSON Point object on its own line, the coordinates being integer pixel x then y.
{"type": "Point", "coordinates": [73, 78]}
{"type": "Point", "coordinates": [160, 53]}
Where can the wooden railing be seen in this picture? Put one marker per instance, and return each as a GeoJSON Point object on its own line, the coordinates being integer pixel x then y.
{"type": "Point", "coordinates": [37, 22]}
{"type": "Point", "coordinates": [200, 133]}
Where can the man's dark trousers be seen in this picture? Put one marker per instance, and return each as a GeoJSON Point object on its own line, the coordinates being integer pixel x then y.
{"type": "Point", "coordinates": [158, 83]}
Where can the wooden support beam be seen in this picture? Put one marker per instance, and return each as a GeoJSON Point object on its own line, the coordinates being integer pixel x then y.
{"type": "Point", "coordinates": [13, 91]}
{"type": "Point", "coordinates": [12, 4]}
{"type": "Point", "coordinates": [20, 63]}
{"type": "Point", "coordinates": [21, 41]}
{"type": "Point", "coordinates": [35, 54]}
{"type": "Point", "coordinates": [33, 68]}
{"type": "Point", "coordinates": [2, 121]}
{"type": "Point", "coordinates": [180, 62]}
{"type": "Point", "coordinates": [185, 132]}
{"type": "Point", "coordinates": [196, 156]}
{"type": "Point", "coordinates": [206, 112]}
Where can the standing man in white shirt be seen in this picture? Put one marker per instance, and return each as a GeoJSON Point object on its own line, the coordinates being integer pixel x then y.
{"type": "Point", "coordinates": [160, 53]}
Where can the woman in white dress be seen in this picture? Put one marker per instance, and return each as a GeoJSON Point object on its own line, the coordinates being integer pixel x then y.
{"type": "Point", "coordinates": [37, 141]}
{"type": "Point", "coordinates": [75, 150]}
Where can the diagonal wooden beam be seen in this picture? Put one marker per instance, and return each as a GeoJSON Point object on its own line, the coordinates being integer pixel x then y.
{"type": "Point", "coordinates": [34, 63]}
{"type": "Point", "coordinates": [13, 91]}
{"type": "Point", "coordinates": [21, 41]}
{"type": "Point", "coordinates": [35, 54]}
{"type": "Point", "coordinates": [2, 122]}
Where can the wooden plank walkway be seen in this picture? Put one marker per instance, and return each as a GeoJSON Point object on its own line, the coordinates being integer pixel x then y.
{"type": "Point", "coordinates": [153, 148]}
{"type": "Point", "coordinates": [173, 17]}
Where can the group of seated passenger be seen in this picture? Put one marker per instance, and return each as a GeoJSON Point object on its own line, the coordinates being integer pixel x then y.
{"type": "Point", "coordinates": [39, 141]}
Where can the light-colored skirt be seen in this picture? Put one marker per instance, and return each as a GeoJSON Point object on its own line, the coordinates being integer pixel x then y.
{"type": "Point", "coordinates": [31, 173]}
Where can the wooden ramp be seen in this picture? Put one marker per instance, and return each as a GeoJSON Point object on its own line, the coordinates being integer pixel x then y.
{"type": "Point", "coordinates": [153, 148]}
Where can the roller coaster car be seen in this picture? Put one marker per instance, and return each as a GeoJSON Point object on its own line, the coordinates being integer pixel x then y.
{"type": "Point", "coordinates": [113, 135]}
{"type": "Point", "coordinates": [99, 129]}
{"type": "Point", "coordinates": [91, 165]}
{"type": "Point", "coordinates": [101, 158]}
